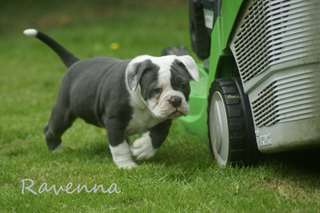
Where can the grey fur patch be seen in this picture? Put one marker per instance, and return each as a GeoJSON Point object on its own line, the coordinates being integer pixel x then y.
{"type": "Point", "coordinates": [138, 70]}
{"type": "Point", "coordinates": [180, 78]}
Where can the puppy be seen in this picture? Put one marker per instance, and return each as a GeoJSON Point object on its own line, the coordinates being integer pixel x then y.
{"type": "Point", "coordinates": [136, 96]}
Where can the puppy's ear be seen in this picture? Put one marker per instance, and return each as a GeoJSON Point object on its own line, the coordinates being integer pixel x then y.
{"type": "Point", "coordinates": [136, 71]}
{"type": "Point", "coordinates": [191, 66]}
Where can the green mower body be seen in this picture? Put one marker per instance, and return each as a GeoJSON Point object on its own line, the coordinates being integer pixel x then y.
{"type": "Point", "coordinates": [260, 76]}
{"type": "Point", "coordinates": [219, 53]}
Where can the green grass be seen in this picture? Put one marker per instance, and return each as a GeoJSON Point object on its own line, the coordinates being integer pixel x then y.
{"type": "Point", "coordinates": [181, 178]}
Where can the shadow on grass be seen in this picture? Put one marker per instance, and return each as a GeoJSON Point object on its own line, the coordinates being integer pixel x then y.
{"type": "Point", "coordinates": [297, 169]}
{"type": "Point", "coordinates": [186, 158]}
{"type": "Point", "coordinates": [304, 161]}
{"type": "Point", "coordinates": [91, 151]}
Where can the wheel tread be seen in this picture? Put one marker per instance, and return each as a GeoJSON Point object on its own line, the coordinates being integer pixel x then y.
{"type": "Point", "coordinates": [239, 150]}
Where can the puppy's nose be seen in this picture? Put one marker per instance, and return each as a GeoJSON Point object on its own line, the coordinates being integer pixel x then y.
{"type": "Point", "coordinates": [175, 101]}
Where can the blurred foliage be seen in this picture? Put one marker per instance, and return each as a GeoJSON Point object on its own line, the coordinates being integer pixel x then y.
{"type": "Point", "coordinates": [17, 14]}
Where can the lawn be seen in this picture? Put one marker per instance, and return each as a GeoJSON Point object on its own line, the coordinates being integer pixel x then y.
{"type": "Point", "coordinates": [182, 177]}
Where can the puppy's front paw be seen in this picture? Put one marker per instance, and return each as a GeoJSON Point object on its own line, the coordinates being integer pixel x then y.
{"type": "Point", "coordinates": [126, 164]}
{"type": "Point", "coordinates": [122, 157]}
{"type": "Point", "coordinates": [142, 148]}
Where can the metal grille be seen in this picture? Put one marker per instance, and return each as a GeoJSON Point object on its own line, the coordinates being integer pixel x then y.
{"type": "Point", "coordinates": [273, 32]}
{"type": "Point", "coordinates": [277, 50]}
{"type": "Point", "coordinates": [288, 98]}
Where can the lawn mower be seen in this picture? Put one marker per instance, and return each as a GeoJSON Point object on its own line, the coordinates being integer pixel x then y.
{"type": "Point", "coordinates": [259, 90]}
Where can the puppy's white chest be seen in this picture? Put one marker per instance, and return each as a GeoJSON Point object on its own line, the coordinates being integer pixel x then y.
{"type": "Point", "coordinates": [140, 122]}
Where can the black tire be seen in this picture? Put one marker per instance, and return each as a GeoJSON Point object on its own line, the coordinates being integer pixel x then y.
{"type": "Point", "coordinates": [200, 37]}
{"type": "Point", "coordinates": [238, 144]}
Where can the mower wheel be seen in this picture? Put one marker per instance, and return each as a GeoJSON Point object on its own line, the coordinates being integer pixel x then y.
{"type": "Point", "coordinates": [231, 131]}
{"type": "Point", "coordinates": [200, 37]}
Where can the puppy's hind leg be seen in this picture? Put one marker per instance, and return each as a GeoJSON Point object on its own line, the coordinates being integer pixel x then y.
{"type": "Point", "coordinates": [60, 120]}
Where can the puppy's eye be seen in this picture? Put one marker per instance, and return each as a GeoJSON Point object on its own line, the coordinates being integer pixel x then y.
{"type": "Point", "coordinates": [156, 91]}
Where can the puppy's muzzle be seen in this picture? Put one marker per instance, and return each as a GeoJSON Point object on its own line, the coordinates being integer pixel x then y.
{"type": "Point", "coordinates": [175, 101]}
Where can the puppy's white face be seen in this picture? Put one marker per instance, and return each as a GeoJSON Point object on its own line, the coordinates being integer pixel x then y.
{"type": "Point", "coordinates": [163, 83]}
{"type": "Point", "coordinates": [169, 93]}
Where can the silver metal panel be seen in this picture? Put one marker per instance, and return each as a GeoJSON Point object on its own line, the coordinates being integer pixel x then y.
{"type": "Point", "coordinates": [288, 97]}
{"type": "Point", "coordinates": [277, 50]}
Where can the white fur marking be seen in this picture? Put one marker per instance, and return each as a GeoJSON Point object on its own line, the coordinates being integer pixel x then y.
{"type": "Point", "coordinates": [141, 121]}
{"type": "Point", "coordinates": [121, 156]}
{"type": "Point", "coordinates": [142, 147]}
{"type": "Point", "coordinates": [30, 32]}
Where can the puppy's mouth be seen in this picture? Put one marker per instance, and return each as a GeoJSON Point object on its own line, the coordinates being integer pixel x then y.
{"type": "Point", "coordinates": [177, 113]}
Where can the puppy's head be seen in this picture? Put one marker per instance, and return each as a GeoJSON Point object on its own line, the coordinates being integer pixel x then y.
{"type": "Point", "coordinates": [162, 83]}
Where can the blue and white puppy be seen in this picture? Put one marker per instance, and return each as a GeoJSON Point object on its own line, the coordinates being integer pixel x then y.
{"type": "Point", "coordinates": [141, 95]}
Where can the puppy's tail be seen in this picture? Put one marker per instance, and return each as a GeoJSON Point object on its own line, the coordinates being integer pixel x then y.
{"type": "Point", "coordinates": [67, 57]}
